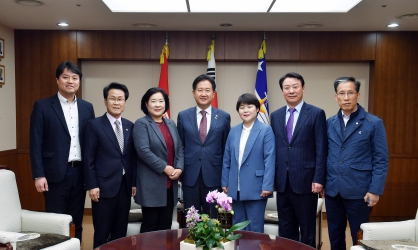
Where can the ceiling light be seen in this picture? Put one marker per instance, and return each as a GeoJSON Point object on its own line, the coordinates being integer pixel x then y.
{"type": "Point", "coordinates": [144, 25]}
{"type": "Point", "coordinates": [146, 5]}
{"type": "Point", "coordinates": [63, 24]}
{"type": "Point", "coordinates": [393, 25]}
{"type": "Point", "coordinates": [408, 16]}
{"type": "Point", "coordinates": [229, 6]}
{"type": "Point", "coordinates": [32, 3]}
{"type": "Point", "coordinates": [299, 6]}
{"type": "Point", "coordinates": [310, 25]}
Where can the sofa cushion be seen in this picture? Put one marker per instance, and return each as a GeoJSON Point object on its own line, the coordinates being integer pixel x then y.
{"type": "Point", "coordinates": [271, 217]}
{"type": "Point", "coordinates": [135, 215]}
{"type": "Point", "coordinates": [43, 241]}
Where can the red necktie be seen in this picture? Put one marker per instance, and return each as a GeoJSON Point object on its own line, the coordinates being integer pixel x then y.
{"type": "Point", "coordinates": [203, 126]}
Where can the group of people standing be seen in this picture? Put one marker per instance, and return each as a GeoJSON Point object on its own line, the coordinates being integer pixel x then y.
{"type": "Point", "coordinates": [301, 155]}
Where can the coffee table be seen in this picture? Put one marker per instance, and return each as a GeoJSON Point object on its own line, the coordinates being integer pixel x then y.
{"type": "Point", "coordinates": [170, 239]}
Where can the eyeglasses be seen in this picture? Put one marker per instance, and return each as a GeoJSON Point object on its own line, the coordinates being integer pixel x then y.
{"type": "Point", "coordinates": [350, 94]}
{"type": "Point", "coordinates": [114, 100]}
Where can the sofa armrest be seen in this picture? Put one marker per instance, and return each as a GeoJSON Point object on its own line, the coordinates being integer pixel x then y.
{"type": "Point", "coordinates": [398, 230]}
{"type": "Point", "coordinates": [46, 222]}
{"type": "Point", "coordinates": [7, 240]}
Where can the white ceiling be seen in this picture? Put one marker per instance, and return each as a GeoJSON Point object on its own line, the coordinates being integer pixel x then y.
{"type": "Point", "coordinates": [368, 15]}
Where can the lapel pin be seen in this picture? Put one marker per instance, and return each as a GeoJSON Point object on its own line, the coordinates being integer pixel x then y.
{"type": "Point", "coordinates": [359, 132]}
{"type": "Point", "coordinates": [216, 116]}
{"type": "Point", "coordinates": [126, 129]}
{"type": "Point", "coordinates": [356, 123]}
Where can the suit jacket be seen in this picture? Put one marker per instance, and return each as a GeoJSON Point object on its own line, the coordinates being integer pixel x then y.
{"type": "Point", "coordinates": [305, 156]}
{"type": "Point", "coordinates": [50, 138]}
{"type": "Point", "coordinates": [258, 162]}
{"type": "Point", "coordinates": [357, 157]}
{"type": "Point", "coordinates": [207, 155]}
{"type": "Point", "coordinates": [152, 155]}
{"type": "Point", "coordinates": [103, 161]}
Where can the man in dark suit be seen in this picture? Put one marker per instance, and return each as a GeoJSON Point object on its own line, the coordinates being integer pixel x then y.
{"type": "Point", "coordinates": [56, 130]}
{"type": "Point", "coordinates": [109, 164]}
{"type": "Point", "coordinates": [203, 131]}
{"type": "Point", "coordinates": [301, 146]}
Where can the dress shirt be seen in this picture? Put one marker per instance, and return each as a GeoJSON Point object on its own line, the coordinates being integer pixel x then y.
{"type": "Point", "coordinates": [199, 117]}
{"type": "Point", "coordinates": [70, 110]}
{"type": "Point", "coordinates": [112, 121]}
{"type": "Point", "coordinates": [245, 133]}
{"type": "Point", "coordinates": [345, 118]}
{"type": "Point", "coordinates": [295, 114]}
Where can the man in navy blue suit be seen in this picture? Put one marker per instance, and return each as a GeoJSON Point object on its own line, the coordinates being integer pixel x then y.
{"type": "Point", "coordinates": [109, 163]}
{"type": "Point", "coordinates": [56, 132]}
{"type": "Point", "coordinates": [203, 130]}
{"type": "Point", "coordinates": [301, 151]}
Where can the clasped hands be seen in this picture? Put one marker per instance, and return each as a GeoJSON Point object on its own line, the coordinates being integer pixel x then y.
{"type": "Point", "coordinates": [172, 173]}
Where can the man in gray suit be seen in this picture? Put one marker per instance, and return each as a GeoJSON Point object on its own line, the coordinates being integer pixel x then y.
{"type": "Point", "coordinates": [203, 130]}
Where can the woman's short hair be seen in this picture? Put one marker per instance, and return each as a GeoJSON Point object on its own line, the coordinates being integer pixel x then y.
{"type": "Point", "coordinates": [147, 96]}
{"type": "Point", "coordinates": [248, 98]}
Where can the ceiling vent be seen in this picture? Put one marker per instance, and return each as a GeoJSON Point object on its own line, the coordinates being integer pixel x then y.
{"type": "Point", "coordinates": [408, 16]}
{"type": "Point", "coordinates": [310, 25]}
{"type": "Point", "coordinates": [32, 3]}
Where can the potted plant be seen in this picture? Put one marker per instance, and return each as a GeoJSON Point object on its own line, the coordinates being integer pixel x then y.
{"type": "Point", "coordinates": [206, 233]}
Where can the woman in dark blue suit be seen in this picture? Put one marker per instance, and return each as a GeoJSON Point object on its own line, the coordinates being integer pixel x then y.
{"type": "Point", "coordinates": [160, 161]}
{"type": "Point", "coordinates": [249, 165]}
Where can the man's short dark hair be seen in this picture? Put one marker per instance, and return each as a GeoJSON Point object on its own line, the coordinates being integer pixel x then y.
{"type": "Point", "coordinates": [115, 85]}
{"type": "Point", "coordinates": [70, 66]}
{"type": "Point", "coordinates": [249, 99]}
{"type": "Point", "coordinates": [147, 96]}
{"type": "Point", "coordinates": [291, 75]}
{"type": "Point", "coordinates": [344, 79]}
{"type": "Point", "coordinates": [202, 78]}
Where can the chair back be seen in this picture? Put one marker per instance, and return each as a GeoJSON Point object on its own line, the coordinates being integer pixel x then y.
{"type": "Point", "coordinates": [416, 227]}
{"type": "Point", "coordinates": [10, 208]}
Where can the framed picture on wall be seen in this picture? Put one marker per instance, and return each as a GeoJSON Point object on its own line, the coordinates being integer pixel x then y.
{"type": "Point", "coordinates": [1, 48]}
{"type": "Point", "coordinates": [2, 74]}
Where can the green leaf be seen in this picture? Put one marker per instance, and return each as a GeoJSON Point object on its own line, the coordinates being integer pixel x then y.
{"type": "Point", "coordinates": [232, 237]}
{"type": "Point", "coordinates": [238, 226]}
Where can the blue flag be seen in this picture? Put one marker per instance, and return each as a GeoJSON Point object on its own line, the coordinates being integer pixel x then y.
{"type": "Point", "coordinates": [261, 84]}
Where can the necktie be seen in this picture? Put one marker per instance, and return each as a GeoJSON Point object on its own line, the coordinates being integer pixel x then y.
{"type": "Point", "coordinates": [119, 135]}
{"type": "Point", "coordinates": [289, 125]}
{"type": "Point", "coordinates": [203, 126]}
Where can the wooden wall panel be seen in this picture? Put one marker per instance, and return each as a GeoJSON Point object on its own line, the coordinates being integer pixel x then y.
{"type": "Point", "coordinates": [337, 46]}
{"type": "Point", "coordinates": [400, 199]}
{"type": "Point", "coordinates": [395, 89]}
{"type": "Point", "coordinates": [113, 45]}
{"type": "Point", "coordinates": [242, 46]}
{"type": "Point", "coordinates": [188, 45]}
{"type": "Point", "coordinates": [8, 158]}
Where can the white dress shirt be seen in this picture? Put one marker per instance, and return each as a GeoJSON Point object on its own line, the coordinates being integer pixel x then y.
{"type": "Point", "coordinates": [296, 113]}
{"type": "Point", "coordinates": [245, 133]}
{"type": "Point", "coordinates": [70, 110]}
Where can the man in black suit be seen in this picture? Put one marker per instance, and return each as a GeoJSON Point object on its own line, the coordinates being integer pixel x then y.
{"type": "Point", "coordinates": [301, 151]}
{"type": "Point", "coordinates": [109, 163]}
{"type": "Point", "coordinates": [56, 130]}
